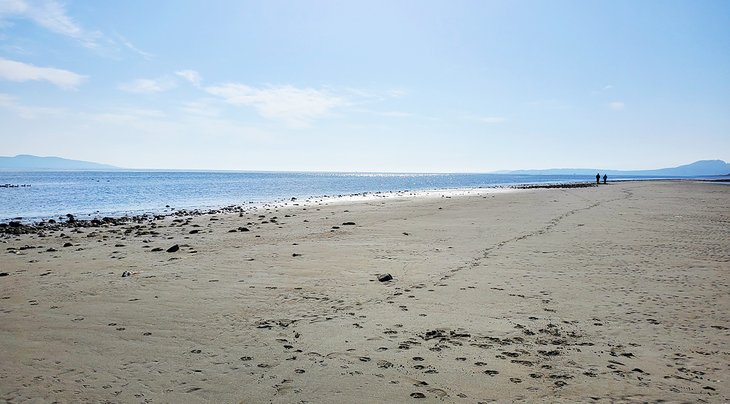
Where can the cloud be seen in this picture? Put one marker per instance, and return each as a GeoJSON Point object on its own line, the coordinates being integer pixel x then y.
{"type": "Point", "coordinates": [202, 107]}
{"type": "Point", "coordinates": [616, 105]}
{"type": "Point", "coordinates": [492, 119]}
{"type": "Point", "coordinates": [297, 107]}
{"type": "Point", "coordinates": [24, 111]}
{"type": "Point", "coordinates": [51, 15]}
{"type": "Point", "coordinates": [133, 48]}
{"type": "Point", "coordinates": [149, 86]}
{"type": "Point", "coordinates": [395, 114]}
{"type": "Point", "coordinates": [20, 72]}
{"type": "Point", "coordinates": [124, 116]}
{"type": "Point", "coordinates": [190, 75]}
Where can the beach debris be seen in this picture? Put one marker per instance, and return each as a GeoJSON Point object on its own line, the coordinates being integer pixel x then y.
{"type": "Point", "coordinates": [126, 274]}
{"type": "Point", "coordinates": [385, 277]}
{"type": "Point", "coordinates": [173, 248]}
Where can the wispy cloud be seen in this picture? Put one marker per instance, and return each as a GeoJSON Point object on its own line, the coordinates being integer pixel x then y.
{"type": "Point", "coordinates": [616, 105]}
{"type": "Point", "coordinates": [133, 48]}
{"type": "Point", "coordinates": [202, 107]}
{"type": "Point", "coordinates": [10, 103]}
{"type": "Point", "coordinates": [190, 75]}
{"type": "Point", "coordinates": [123, 116]}
{"type": "Point", "coordinates": [491, 119]}
{"type": "Point", "coordinates": [395, 114]}
{"type": "Point", "coordinates": [149, 86]}
{"type": "Point", "coordinates": [297, 107]}
{"type": "Point", "coordinates": [20, 72]}
{"type": "Point", "coordinates": [51, 15]}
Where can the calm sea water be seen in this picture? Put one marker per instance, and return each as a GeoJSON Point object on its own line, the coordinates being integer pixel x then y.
{"type": "Point", "coordinates": [117, 193]}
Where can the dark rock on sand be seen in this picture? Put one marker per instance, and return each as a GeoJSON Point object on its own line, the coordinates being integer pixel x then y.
{"type": "Point", "coordinates": [173, 248]}
{"type": "Point", "coordinates": [156, 249]}
{"type": "Point", "coordinates": [348, 224]}
{"type": "Point", "coordinates": [14, 224]}
{"type": "Point", "coordinates": [126, 274]}
{"type": "Point", "coordinates": [68, 245]}
{"type": "Point", "coordinates": [385, 277]}
{"type": "Point", "coordinates": [3, 274]}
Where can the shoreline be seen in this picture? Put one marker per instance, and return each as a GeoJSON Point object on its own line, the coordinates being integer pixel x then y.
{"type": "Point", "coordinates": [44, 222]}
{"type": "Point", "coordinates": [560, 294]}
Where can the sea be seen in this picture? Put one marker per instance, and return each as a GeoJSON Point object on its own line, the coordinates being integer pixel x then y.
{"type": "Point", "coordinates": [39, 195]}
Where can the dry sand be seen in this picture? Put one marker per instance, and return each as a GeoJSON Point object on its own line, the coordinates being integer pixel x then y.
{"type": "Point", "coordinates": [608, 294]}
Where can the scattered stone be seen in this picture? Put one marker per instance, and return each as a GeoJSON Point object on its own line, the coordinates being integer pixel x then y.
{"type": "Point", "coordinates": [156, 249]}
{"type": "Point", "coordinates": [126, 274]}
{"type": "Point", "coordinates": [418, 395]}
{"type": "Point", "coordinates": [173, 248]}
{"type": "Point", "coordinates": [385, 277]}
{"type": "Point", "coordinates": [348, 224]}
{"type": "Point", "coordinates": [68, 245]}
{"type": "Point", "coordinates": [3, 274]}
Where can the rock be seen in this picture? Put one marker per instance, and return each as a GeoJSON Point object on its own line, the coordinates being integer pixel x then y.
{"type": "Point", "coordinates": [194, 231]}
{"type": "Point", "coordinates": [348, 224]}
{"type": "Point", "coordinates": [385, 277]}
{"type": "Point", "coordinates": [3, 274]}
{"type": "Point", "coordinates": [173, 248]}
{"type": "Point", "coordinates": [70, 218]}
{"type": "Point", "coordinates": [126, 274]}
{"type": "Point", "coordinates": [242, 229]}
{"type": "Point", "coordinates": [14, 224]}
{"type": "Point", "coordinates": [156, 249]}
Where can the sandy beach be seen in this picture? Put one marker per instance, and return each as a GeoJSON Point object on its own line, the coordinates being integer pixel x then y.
{"type": "Point", "coordinates": [615, 293]}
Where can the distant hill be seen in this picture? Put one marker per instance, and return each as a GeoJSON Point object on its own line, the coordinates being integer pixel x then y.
{"type": "Point", "coordinates": [696, 169]}
{"type": "Point", "coordinates": [28, 162]}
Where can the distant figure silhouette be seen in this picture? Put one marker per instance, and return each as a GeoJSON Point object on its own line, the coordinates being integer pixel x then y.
{"type": "Point", "coordinates": [598, 178]}
{"type": "Point", "coordinates": [604, 178]}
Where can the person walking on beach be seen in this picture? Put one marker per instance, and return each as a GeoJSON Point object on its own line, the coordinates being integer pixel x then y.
{"type": "Point", "coordinates": [604, 178]}
{"type": "Point", "coordinates": [598, 178]}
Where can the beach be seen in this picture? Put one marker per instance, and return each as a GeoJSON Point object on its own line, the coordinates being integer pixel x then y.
{"type": "Point", "coordinates": [612, 293]}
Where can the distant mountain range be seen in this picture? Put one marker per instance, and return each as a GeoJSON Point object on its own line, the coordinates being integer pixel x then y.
{"type": "Point", "coordinates": [696, 169]}
{"type": "Point", "coordinates": [28, 162]}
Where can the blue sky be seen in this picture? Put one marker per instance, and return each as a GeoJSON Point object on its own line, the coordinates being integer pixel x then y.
{"type": "Point", "coordinates": [414, 86]}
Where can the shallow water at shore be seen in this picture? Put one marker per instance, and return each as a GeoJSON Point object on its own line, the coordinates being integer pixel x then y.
{"type": "Point", "coordinates": [116, 193]}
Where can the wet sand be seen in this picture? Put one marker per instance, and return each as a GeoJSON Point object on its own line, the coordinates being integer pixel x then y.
{"type": "Point", "coordinates": [603, 294]}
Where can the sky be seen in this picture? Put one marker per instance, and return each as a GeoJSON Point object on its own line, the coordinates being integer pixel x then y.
{"type": "Point", "coordinates": [383, 86]}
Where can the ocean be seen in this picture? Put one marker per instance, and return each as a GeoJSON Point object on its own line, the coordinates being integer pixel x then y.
{"type": "Point", "coordinates": [89, 194]}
